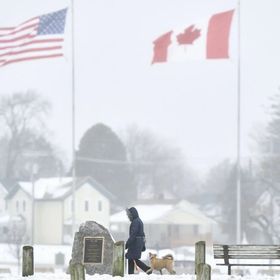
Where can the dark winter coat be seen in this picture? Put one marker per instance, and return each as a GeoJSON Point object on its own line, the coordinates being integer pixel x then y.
{"type": "Point", "coordinates": [136, 241]}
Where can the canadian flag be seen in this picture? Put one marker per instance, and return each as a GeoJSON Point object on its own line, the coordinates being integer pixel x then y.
{"type": "Point", "coordinates": [204, 40]}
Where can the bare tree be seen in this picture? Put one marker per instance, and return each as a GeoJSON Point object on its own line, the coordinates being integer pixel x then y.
{"type": "Point", "coordinates": [16, 238]}
{"type": "Point", "coordinates": [23, 117]}
{"type": "Point", "coordinates": [267, 173]}
{"type": "Point", "coordinates": [157, 164]}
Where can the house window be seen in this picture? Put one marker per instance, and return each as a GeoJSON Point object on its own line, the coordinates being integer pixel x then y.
{"type": "Point", "coordinates": [17, 206]}
{"type": "Point", "coordinates": [23, 206]}
{"type": "Point", "coordinates": [86, 205]}
{"type": "Point", "coordinates": [99, 205]}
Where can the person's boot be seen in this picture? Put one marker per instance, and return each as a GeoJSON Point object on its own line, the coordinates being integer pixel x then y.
{"type": "Point", "coordinates": [149, 271]}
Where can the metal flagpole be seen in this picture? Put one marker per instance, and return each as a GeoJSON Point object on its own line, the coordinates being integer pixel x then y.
{"type": "Point", "coordinates": [73, 204]}
{"type": "Point", "coordinates": [238, 169]}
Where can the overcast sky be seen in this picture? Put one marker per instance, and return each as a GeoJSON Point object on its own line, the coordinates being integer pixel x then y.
{"type": "Point", "coordinates": [191, 104]}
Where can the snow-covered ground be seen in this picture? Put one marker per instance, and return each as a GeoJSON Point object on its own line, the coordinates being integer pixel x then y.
{"type": "Point", "coordinates": [141, 276]}
{"type": "Point", "coordinates": [44, 259]}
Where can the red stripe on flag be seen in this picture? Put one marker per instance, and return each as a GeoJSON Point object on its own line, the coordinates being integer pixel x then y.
{"type": "Point", "coordinates": [6, 62]}
{"type": "Point", "coordinates": [21, 29]}
{"type": "Point", "coordinates": [218, 35]}
{"type": "Point", "coordinates": [6, 28]}
{"type": "Point", "coordinates": [28, 36]}
{"type": "Point", "coordinates": [11, 28]}
{"type": "Point", "coordinates": [31, 50]}
{"type": "Point", "coordinates": [33, 42]}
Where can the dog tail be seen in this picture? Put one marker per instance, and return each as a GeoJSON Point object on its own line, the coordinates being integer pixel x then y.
{"type": "Point", "coordinates": [169, 257]}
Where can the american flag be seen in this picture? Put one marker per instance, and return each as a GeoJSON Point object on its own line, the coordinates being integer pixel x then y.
{"type": "Point", "coordinates": [37, 38]}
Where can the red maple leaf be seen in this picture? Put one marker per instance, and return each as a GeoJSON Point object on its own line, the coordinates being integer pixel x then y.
{"type": "Point", "coordinates": [189, 35]}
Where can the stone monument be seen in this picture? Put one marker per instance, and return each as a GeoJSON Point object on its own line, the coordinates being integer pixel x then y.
{"type": "Point", "coordinates": [93, 247]}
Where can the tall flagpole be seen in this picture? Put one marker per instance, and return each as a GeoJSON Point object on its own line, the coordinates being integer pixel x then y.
{"type": "Point", "coordinates": [73, 204]}
{"type": "Point", "coordinates": [238, 169]}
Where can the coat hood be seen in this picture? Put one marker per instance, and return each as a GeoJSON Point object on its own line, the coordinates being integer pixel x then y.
{"type": "Point", "coordinates": [132, 213]}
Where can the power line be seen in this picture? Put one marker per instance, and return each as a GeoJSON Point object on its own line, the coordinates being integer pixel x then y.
{"type": "Point", "coordinates": [122, 162]}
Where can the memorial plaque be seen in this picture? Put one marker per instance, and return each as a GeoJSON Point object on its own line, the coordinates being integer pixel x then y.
{"type": "Point", "coordinates": [93, 247]}
{"type": "Point", "coordinates": [93, 250]}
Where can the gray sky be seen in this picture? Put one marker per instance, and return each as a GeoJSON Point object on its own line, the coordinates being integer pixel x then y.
{"type": "Point", "coordinates": [192, 105]}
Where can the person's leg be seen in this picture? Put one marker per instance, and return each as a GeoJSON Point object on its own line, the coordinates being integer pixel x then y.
{"type": "Point", "coordinates": [130, 266]}
{"type": "Point", "coordinates": [142, 265]}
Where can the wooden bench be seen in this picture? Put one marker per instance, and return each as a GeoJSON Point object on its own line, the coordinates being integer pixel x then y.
{"type": "Point", "coordinates": [246, 252]}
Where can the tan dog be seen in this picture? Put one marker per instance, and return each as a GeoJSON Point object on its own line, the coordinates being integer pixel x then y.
{"type": "Point", "coordinates": [166, 262]}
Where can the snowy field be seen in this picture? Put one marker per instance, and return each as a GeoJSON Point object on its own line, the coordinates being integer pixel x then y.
{"type": "Point", "coordinates": [44, 257]}
{"type": "Point", "coordinates": [141, 276]}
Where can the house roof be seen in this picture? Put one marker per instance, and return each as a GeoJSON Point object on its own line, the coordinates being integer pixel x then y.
{"type": "Point", "coordinates": [57, 188]}
{"type": "Point", "coordinates": [8, 184]}
{"type": "Point", "coordinates": [47, 187]}
{"type": "Point", "coordinates": [3, 190]}
{"type": "Point", "coordinates": [147, 213]}
{"type": "Point", "coordinates": [180, 213]}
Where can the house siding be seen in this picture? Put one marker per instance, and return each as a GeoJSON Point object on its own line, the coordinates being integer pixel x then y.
{"type": "Point", "coordinates": [3, 194]}
{"type": "Point", "coordinates": [14, 210]}
{"type": "Point", "coordinates": [94, 197]}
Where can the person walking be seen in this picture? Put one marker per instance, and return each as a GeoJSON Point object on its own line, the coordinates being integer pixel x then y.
{"type": "Point", "coordinates": [135, 243]}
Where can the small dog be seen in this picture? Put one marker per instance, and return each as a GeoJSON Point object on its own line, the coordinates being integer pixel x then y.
{"type": "Point", "coordinates": [166, 262]}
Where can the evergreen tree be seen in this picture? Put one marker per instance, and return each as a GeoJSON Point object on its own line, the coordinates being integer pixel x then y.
{"type": "Point", "coordinates": [102, 156]}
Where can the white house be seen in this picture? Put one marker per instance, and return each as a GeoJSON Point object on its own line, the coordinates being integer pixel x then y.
{"type": "Point", "coordinates": [166, 225]}
{"type": "Point", "coordinates": [52, 204]}
{"type": "Point", "coordinates": [3, 193]}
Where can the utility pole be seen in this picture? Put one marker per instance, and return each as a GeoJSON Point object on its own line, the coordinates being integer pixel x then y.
{"type": "Point", "coordinates": [34, 171]}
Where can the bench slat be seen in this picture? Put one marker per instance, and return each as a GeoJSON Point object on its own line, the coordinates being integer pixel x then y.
{"type": "Point", "coordinates": [249, 264]}
{"type": "Point", "coordinates": [264, 257]}
{"type": "Point", "coordinates": [248, 253]}
{"type": "Point", "coordinates": [246, 247]}
{"type": "Point", "coordinates": [248, 250]}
